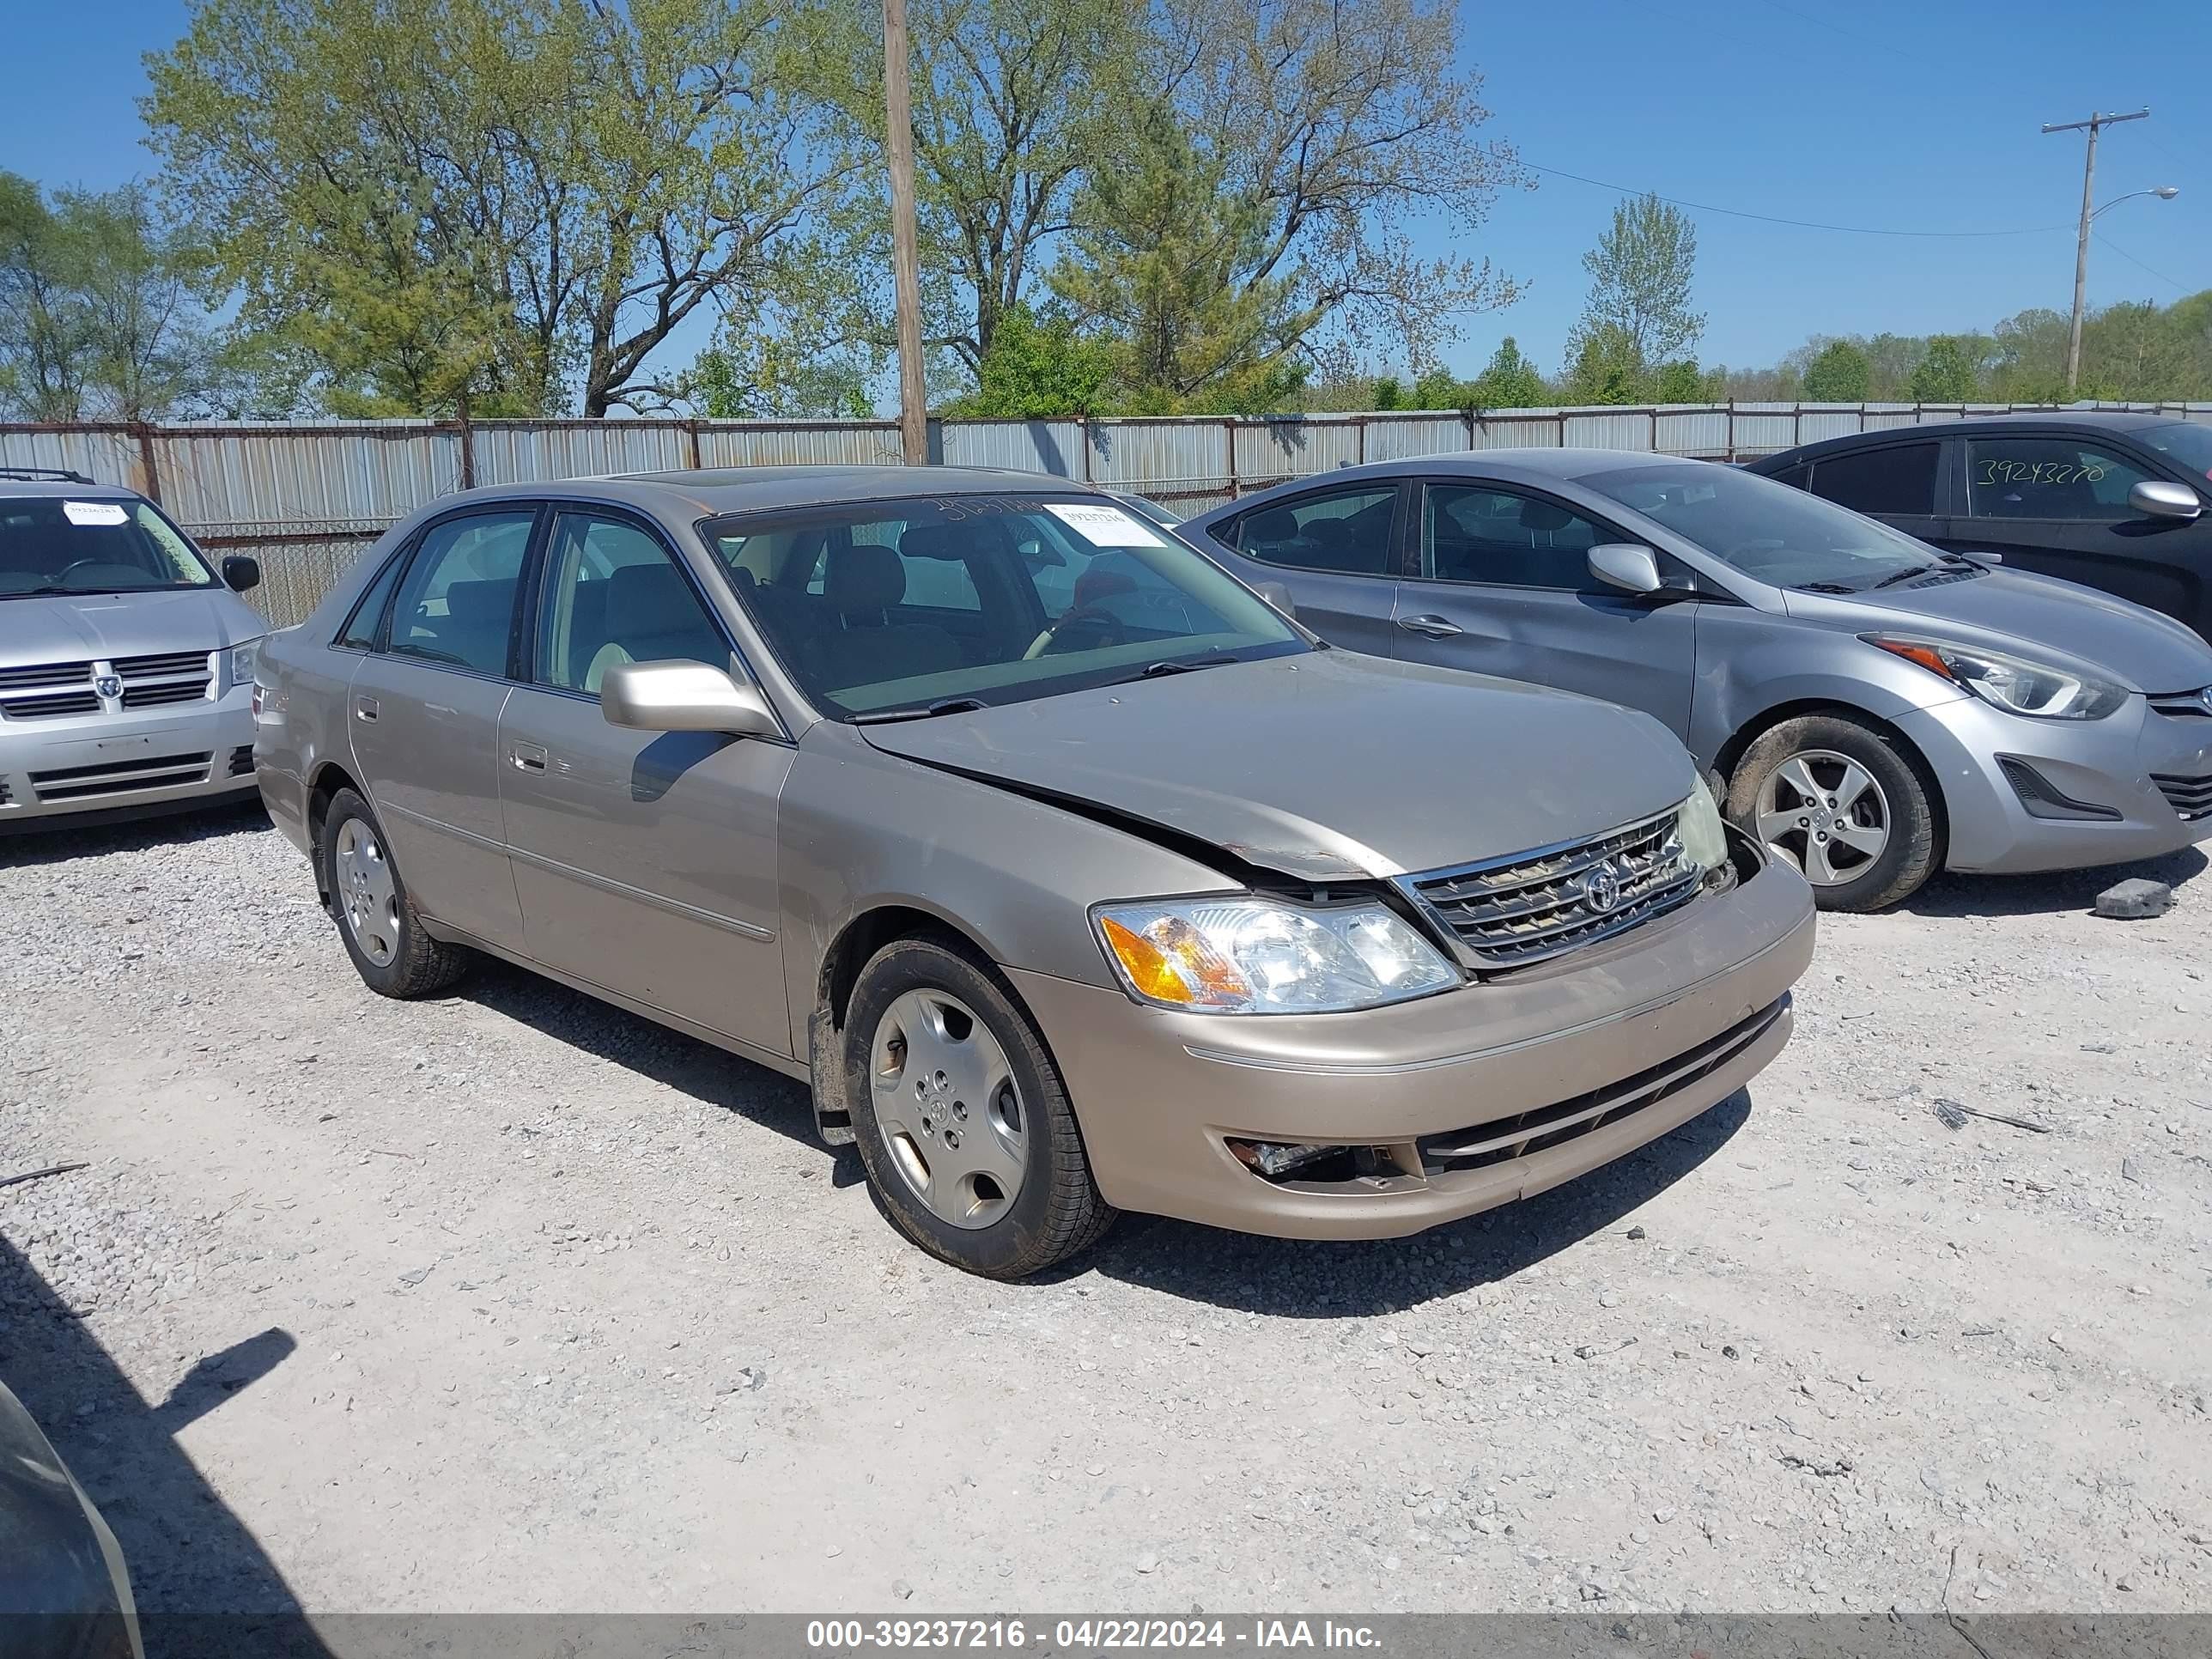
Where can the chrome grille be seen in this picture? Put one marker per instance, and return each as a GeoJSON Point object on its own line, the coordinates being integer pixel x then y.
{"type": "Point", "coordinates": [49, 691]}
{"type": "Point", "coordinates": [1509, 912]}
{"type": "Point", "coordinates": [45, 705]}
{"type": "Point", "coordinates": [2191, 797]}
{"type": "Point", "coordinates": [2183, 705]}
{"type": "Point", "coordinates": [119, 777]}
{"type": "Point", "coordinates": [175, 662]}
{"type": "Point", "coordinates": [46, 673]}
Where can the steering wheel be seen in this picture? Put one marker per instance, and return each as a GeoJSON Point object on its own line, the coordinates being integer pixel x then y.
{"type": "Point", "coordinates": [1096, 614]}
{"type": "Point", "coordinates": [69, 570]}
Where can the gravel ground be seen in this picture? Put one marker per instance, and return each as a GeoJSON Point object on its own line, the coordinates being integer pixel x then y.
{"type": "Point", "coordinates": [511, 1300]}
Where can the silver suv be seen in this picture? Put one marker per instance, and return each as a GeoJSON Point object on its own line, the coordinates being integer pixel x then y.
{"type": "Point", "coordinates": [126, 663]}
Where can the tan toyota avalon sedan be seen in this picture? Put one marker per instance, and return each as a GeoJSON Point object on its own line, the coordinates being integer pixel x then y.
{"type": "Point", "coordinates": [1074, 876]}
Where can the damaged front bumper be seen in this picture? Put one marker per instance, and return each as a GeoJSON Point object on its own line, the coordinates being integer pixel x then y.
{"type": "Point", "coordinates": [1425, 1111]}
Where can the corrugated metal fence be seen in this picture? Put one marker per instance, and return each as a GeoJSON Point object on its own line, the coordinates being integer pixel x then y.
{"type": "Point", "coordinates": [306, 497]}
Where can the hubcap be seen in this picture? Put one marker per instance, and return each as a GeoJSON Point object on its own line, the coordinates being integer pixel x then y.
{"type": "Point", "coordinates": [367, 892]}
{"type": "Point", "coordinates": [1824, 813]}
{"type": "Point", "coordinates": [945, 1100]}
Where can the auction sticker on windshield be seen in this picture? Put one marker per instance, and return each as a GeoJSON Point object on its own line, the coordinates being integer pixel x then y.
{"type": "Point", "coordinates": [1103, 525]}
{"type": "Point", "coordinates": [94, 512]}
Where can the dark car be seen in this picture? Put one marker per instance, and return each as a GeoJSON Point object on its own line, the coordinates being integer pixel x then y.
{"type": "Point", "coordinates": [2108, 498]}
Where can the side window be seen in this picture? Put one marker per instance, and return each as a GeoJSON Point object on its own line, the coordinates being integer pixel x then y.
{"type": "Point", "coordinates": [359, 631]}
{"type": "Point", "coordinates": [1900, 479]}
{"type": "Point", "coordinates": [456, 603]}
{"type": "Point", "coordinates": [613, 595]}
{"type": "Point", "coordinates": [2054, 477]}
{"type": "Point", "coordinates": [1346, 531]}
{"type": "Point", "coordinates": [1476, 533]}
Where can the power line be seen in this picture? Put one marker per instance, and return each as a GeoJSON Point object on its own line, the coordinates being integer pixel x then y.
{"type": "Point", "coordinates": [2108, 242]}
{"type": "Point", "coordinates": [1771, 219]}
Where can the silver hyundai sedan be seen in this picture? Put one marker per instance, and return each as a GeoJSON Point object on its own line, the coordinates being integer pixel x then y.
{"type": "Point", "coordinates": [1074, 876]}
{"type": "Point", "coordinates": [1877, 710]}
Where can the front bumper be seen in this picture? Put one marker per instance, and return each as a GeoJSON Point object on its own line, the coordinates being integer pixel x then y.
{"type": "Point", "coordinates": [2113, 765]}
{"type": "Point", "coordinates": [1571, 1065]}
{"type": "Point", "coordinates": [179, 755]}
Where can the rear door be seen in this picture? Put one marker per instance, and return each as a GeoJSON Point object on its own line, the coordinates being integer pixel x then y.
{"type": "Point", "coordinates": [1905, 484]}
{"type": "Point", "coordinates": [645, 860]}
{"type": "Point", "coordinates": [1338, 550]}
{"type": "Point", "coordinates": [423, 711]}
{"type": "Point", "coordinates": [2056, 503]}
{"type": "Point", "coordinates": [1501, 586]}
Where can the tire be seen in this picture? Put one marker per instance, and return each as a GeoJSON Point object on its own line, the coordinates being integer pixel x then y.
{"type": "Point", "coordinates": [997, 1185]}
{"type": "Point", "coordinates": [382, 931]}
{"type": "Point", "coordinates": [1821, 784]}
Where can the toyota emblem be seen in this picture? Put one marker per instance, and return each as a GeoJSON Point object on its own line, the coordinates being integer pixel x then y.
{"type": "Point", "coordinates": [108, 685]}
{"type": "Point", "coordinates": [1602, 887]}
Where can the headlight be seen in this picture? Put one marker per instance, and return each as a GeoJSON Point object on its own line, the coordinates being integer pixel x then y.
{"type": "Point", "coordinates": [242, 659]}
{"type": "Point", "coordinates": [1704, 842]}
{"type": "Point", "coordinates": [2013, 683]}
{"type": "Point", "coordinates": [1237, 955]}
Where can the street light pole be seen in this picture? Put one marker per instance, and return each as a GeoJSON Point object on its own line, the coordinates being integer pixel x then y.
{"type": "Point", "coordinates": [906, 257]}
{"type": "Point", "coordinates": [2082, 242]}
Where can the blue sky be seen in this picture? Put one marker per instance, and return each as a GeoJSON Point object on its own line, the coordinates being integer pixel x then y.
{"type": "Point", "coordinates": [1899, 116]}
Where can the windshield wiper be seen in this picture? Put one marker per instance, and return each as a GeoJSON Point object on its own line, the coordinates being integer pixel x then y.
{"type": "Point", "coordinates": [1904, 575]}
{"type": "Point", "coordinates": [1153, 671]}
{"type": "Point", "coordinates": [1822, 588]}
{"type": "Point", "coordinates": [922, 711]}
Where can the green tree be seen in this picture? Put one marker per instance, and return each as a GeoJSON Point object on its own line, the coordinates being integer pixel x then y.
{"type": "Point", "coordinates": [1041, 368]}
{"type": "Point", "coordinates": [1947, 374]}
{"type": "Point", "coordinates": [1840, 375]}
{"type": "Point", "coordinates": [1439, 388]}
{"type": "Point", "coordinates": [1509, 381]}
{"type": "Point", "coordinates": [1606, 366]}
{"type": "Point", "coordinates": [1681, 381]}
{"type": "Point", "coordinates": [494, 200]}
{"type": "Point", "coordinates": [1641, 272]}
{"type": "Point", "coordinates": [100, 314]}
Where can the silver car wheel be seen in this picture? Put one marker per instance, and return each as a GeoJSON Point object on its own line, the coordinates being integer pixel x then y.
{"type": "Point", "coordinates": [952, 1116]}
{"type": "Point", "coordinates": [367, 892]}
{"type": "Point", "coordinates": [1826, 814]}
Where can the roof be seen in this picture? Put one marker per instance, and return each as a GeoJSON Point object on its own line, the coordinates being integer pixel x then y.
{"type": "Point", "coordinates": [757, 488]}
{"type": "Point", "coordinates": [13, 483]}
{"type": "Point", "coordinates": [2085, 420]}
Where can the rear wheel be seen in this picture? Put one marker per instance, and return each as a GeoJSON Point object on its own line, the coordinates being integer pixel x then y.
{"type": "Point", "coordinates": [383, 934]}
{"type": "Point", "coordinates": [963, 1127]}
{"type": "Point", "coordinates": [1837, 800]}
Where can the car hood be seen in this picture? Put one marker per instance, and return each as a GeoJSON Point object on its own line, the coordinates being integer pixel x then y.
{"type": "Point", "coordinates": [2033, 615]}
{"type": "Point", "coordinates": [82, 627]}
{"type": "Point", "coordinates": [1326, 766]}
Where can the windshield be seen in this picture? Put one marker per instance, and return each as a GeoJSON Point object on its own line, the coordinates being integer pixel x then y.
{"type": "Point", "coordinates": [1768, 531]}
{"type": "Point", "coordinates": [56, 544]}
{"type": "Point", "coordinates": [2190, 445]}
{"type": "Point", "coordinates": [1145, 507]}
{"type": "Point", "coordinates": [895, 605]}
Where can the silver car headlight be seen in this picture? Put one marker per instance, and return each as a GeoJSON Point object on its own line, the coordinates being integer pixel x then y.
{"type": "Point", "coordinates": [1697, 825]}
{"type": "Point", "coordinates": [1241, 955]}
{"type": "Point", "coordinates": [242, 661]}
{"type": "Point", "coordinates": [2015, 684]}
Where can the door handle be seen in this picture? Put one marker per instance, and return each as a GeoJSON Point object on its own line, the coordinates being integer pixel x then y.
{"type": "Point", "coordinates": [529, 756]}
{"type": "Point", "coordinates": [1435, 627]}
{"type": "Point", "coordinates": [365, 709]}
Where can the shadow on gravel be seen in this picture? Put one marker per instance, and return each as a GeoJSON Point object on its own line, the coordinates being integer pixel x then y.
{"type": "Point", "coordinates": [188, 1555]}
{"type": "Point", "coordinates": [1301, 1279]}
{"type": "Point", "coordinates": [74, 838]}
{"type": "Point", "coordinates": [2051, 894]}
{"type": "Point", "coordinates": [698, 1069]}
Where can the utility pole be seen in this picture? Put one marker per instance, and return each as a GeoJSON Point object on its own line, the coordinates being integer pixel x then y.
{"type": "Point", "coordinates": [906, 257]}
{"type": "Point", "coordinates": [2082, 242]}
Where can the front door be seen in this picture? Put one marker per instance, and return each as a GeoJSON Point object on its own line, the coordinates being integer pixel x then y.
{"type": "Point", "coordinates": [1903, 484]}
{"type": "Point", "coordinates": [1336, 550]}
{"type": "Point", "coordinates": [2057, 505]}
{"type": "Point", "coordinates": [424, 708]}
{"type": "Point", "coordinates": [645, 862]}
{"type": "Point", "coordinates": [1504, 587]}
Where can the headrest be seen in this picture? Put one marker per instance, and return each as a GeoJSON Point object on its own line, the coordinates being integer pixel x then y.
{"type": "Point", "coordinates": [1544, 515]}
{"type": "Point", "coordinates": [1278, 525]}
{"type": "Point", "coordinates": [481, 605]}
{"type": "Point", "coordinates": [648, 598]}
{"type": "Point", "coordinates": [865, 576]}
{"type": "Point", "coordinates": [937, 541]}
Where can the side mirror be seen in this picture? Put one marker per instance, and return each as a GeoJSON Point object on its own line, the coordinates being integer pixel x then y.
{"type": "Point", "coordinates": [2155, 498]}
{"type": "Point", "coordinates": [683, 697]}
{"type": "Point", "coordinates": [1278, 596]}
{"type": "Point", "coordinates": [240, 573]}
{"type": "Point", "coordinates": [1629, 566]}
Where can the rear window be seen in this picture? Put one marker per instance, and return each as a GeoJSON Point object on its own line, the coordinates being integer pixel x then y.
{"type": "Point", "coordinates": [73, 544]}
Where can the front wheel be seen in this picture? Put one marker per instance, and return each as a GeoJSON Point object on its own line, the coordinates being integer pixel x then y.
{"type": "Point", "coordinates": [963, 1127]}
{"type": "Point", "coordinates": [383, 934]}
{"type": "Point", "coordinates": [1839, 802]}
